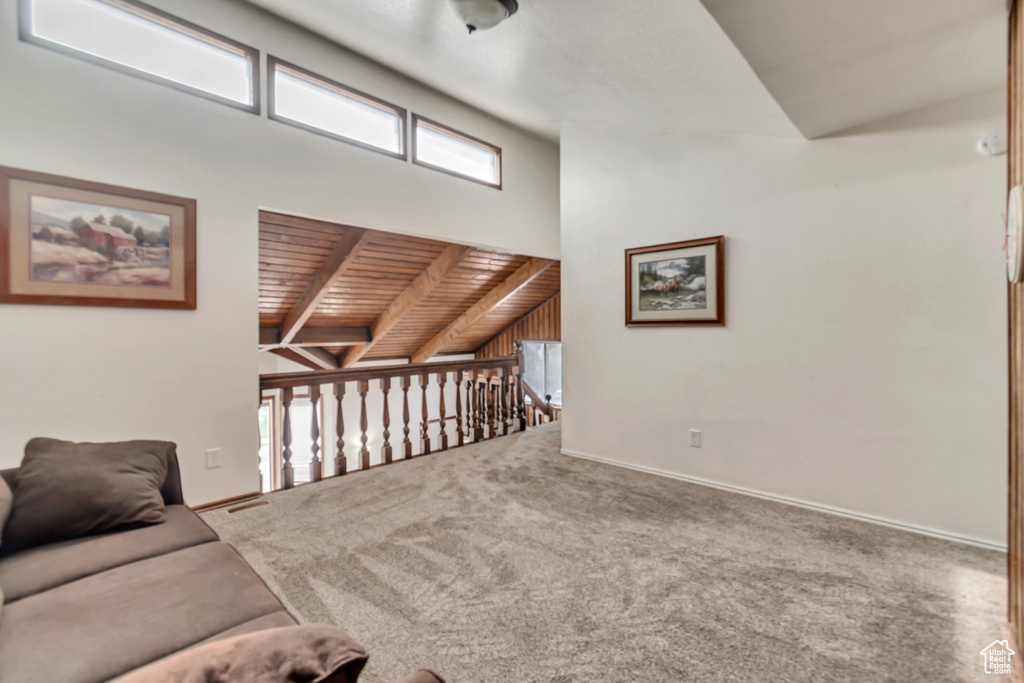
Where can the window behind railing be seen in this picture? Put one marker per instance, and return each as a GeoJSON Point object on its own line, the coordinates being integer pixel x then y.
{"type": "Point", "coordinates": [543, 370]}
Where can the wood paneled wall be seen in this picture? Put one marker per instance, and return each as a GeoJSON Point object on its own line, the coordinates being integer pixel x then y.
{"type": "Point", "coordinates": [1015, 567]}
{"type": "Point", "coordinates": [543, 323]}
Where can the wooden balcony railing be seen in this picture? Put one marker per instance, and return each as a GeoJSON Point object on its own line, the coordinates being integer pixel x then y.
{"type": "Point", "coordinates": [540, 410]}
{"type": "Point", "coordinates": [494, 406]}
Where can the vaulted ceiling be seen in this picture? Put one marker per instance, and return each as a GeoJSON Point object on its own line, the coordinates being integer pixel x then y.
{"type": "Point", "coordinates": [332, 295]}
{"type": "Point", "coordinates": [755, 67]}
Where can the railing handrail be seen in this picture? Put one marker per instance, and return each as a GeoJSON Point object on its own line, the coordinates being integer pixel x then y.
{"type": "Point", "coordinates": [541, 405]}
{"type": "Point", "coordinates": [287, 380]}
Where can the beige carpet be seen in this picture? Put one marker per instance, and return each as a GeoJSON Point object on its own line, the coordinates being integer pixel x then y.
{"type": "Point", "coordinates": [507, 561]}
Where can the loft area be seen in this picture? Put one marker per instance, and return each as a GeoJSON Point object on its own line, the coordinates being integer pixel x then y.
{"type": "Point", "coordinates": [486, 340]}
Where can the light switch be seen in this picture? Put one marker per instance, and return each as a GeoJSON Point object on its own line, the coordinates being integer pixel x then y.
{"type": "Point", "coordinates": [212, 458]}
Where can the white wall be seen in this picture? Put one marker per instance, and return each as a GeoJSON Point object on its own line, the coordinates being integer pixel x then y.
{"type": "Point", "coordinates": [191, 376]}
{"type": "Point", "coordinates": [864, 362]}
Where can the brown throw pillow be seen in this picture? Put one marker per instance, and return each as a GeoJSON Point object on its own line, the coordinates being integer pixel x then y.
{"type": "Point", "coordinates": [292, 654]}
{"type": "Point", "coordinates": [65, 490]}
{"type": "Point", "coordinates": [6, 501]}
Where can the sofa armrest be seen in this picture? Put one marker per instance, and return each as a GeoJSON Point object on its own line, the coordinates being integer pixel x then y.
{"type": "Point", "coordinates": [171, 489]}
{"type": "Point", "coordinates": [8, 476]}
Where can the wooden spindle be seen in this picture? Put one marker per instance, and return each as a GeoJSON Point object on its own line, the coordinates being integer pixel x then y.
{"type": "Point", "coordinates": [287, 475]}
{"type": "Point", "coordinates": [459, 436]}
{"type": "Point", "coordinates": [442, 438]}
{"type": "Point", "coordinates": [385, 386]}
{"type": "Point", "coordinates": [478, 430]}
{"type": "Point", "coordinates": [492, 414]}
{"type": "Point", "coordinates": [405, 383]}
{"type": "Point", "coordinates": [340, 461]}
{"type": "Point", "coordinates": [316, 468]}
{"type": "Point", "coordinates": [424, 413]}
{"type": "Point", "coordinates": [503, 389]}
{"type": "Point", "coordinates": [469, 406]}
{"type": "Point", "coordinates": [364, 452]}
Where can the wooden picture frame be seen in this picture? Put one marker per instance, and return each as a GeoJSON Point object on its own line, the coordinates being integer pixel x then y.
{"type": "Point", "coordinates": [682, 283]}
{"type": "Point", "coordinates": [71, 242]}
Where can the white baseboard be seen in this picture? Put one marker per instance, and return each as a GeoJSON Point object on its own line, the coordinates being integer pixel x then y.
{"type": "Point", "coordinates": [841, 512]}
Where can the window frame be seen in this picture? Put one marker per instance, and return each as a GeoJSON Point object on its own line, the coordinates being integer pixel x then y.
{"type": "Point", "coordinates": [329, 84]}
{"type": "Point", "coordinates": [545, 343]}
{"type": "Point", "coordinates": [273, 402]}
{"type": "Point", "coordinates": [169, 21]}
{"type": "Point", "coordinates": [417, 120]}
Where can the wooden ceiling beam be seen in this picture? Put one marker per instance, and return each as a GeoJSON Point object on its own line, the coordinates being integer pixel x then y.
{"type": "Point", "coordinates": [494, 298]}
{"type": "Point", "coordinates": [404, 303]}
{"type": "Point", "coordinates": [317, 336]}
{"type": "Point", "coordinates": [296, 358]}
{"type": "Point", "coordinates": [322, 358]}
{"type": "Point", "coordinates": [352, 243]}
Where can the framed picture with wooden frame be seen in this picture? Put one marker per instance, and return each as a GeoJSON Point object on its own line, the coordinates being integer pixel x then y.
{"type": "Point", "coordinates": [73, 242]}
{"type": "Point", "coordinates": [682, 283]}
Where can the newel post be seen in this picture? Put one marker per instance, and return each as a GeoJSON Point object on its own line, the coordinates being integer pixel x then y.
{"type": "Point", "coordinates": [520, 407]}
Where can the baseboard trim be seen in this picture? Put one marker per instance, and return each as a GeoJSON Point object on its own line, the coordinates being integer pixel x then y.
{"type": "Point", "coordinates": [206, 507]}
{"type": "Point", "coordinates": [840, 512]}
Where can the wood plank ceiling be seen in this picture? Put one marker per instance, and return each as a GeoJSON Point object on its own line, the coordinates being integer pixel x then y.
{"type": "Point", "coordinates": [331, 295]}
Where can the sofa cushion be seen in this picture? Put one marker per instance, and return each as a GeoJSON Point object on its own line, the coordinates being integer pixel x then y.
{"type": "Point", "coordinates": [294, 654]}
{"type": "Point", "coordinates": [107, 624]}
{"type": "Point", "coordinates": [67, 490]}
{"type": "Point", "coordinates": [38, 569]}
{"type": "Point", "coordinates": [272, 620]}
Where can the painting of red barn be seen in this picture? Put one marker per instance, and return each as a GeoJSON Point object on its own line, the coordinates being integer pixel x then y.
{"type": "Point", "coordinates": [81, 242]}
{"type": "Point", "coordinates": [105, 245]}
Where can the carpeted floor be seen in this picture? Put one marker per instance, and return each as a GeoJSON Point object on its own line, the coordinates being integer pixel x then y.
{"type": "Point", "coordinates": [508, 562]}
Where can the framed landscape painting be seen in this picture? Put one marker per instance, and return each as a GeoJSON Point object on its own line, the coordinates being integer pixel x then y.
{"type": "Point", "coordinates": [74, 242]}
{"type": "Point", "coordinates": [682, 283]}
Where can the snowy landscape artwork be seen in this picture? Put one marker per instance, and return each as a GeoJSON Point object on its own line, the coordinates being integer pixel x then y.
{"type": "Point", "coordinates": [682, 283]}
{"type": "Point", "coordinates": [76, 242]}
{"type": "Point", "coordinates": [674, 284]}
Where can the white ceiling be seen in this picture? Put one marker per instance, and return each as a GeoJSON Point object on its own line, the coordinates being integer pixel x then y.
{"type": "Point", "coordinates": [669, 65]}
{"type": "Point", "coordinates": [836, 64]}
{"type": "Point", "coordinates": [659, 64]}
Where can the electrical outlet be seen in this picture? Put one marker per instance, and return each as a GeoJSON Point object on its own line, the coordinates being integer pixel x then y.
{"type": "Point", "coordinates": [212, 458]}
{"type": "Point", "coordinates": [695, 438]}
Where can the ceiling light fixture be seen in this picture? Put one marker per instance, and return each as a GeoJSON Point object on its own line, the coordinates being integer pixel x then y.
{"type": "Point", "coordinates": [483, 14]}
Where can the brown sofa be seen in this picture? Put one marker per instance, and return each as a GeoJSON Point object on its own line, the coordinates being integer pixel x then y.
{"type": "Point", "coordinates": [91, 609]}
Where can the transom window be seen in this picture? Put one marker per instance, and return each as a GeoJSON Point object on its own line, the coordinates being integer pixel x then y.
{"type": "Point", "coordinates": [543, 371]}
{"type": "Point", "coordinates": [320, 105]}
{"type": "Point", "coordinates": [143, 41]}
{"type": "Point", "coordinates": [446, 149]}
